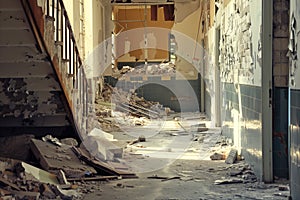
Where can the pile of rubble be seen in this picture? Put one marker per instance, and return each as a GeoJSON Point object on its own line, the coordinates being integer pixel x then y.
{"type": "Point", "coordinates": [61, 169]}
{"type": "Point", "coordinates": [113, 99]}
{"type": "Point", "coordinates": [150, 69]}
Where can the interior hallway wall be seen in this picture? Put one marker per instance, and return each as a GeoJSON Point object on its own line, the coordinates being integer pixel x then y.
{"type": "Point", "coordinates": [240, 60]}
{"type": "Point", "coordinates": [294, 82]}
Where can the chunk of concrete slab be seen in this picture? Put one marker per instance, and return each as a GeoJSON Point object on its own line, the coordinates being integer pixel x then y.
{"type": "Point", "coordinates": [101, 134]}
{"type": "Point", "coordinates": [52, 157]}
{"type": "Point", "coordinates": [102, 148]}
{"type": "Point", "coordinates": [39, 174]}
{"type": "Point", "coordinates": [232, 156]}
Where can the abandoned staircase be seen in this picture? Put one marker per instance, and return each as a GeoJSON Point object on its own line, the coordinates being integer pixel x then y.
{"type": "Point", "coordinates": [43, 89]}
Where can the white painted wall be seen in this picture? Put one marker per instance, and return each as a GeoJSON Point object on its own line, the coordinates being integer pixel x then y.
{"type": "Point", "coordinates": [294, 47]}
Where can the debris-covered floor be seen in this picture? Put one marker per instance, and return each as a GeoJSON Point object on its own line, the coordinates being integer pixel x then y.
{"type": "Point", "coordinates": [175, 163]}
{"type": "Point", "coordinates": [140, 150]}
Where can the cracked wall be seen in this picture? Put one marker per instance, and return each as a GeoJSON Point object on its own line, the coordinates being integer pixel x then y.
{"type": "Point", "coordinates": [237, 57]}
{"type": "Point", "coordinates": [240, 59]}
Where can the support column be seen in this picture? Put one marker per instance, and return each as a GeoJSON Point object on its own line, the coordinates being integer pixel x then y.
{"type": "Point", "coordinates": [267, 84]}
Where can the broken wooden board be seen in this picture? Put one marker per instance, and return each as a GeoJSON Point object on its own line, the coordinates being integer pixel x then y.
{"type": "Point", "coordinates": [52, 157]}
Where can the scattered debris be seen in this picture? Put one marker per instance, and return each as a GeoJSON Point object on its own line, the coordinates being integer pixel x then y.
{"type": "Point", "coordinates": [112, 99]}
{"type": "Point", "coordinates": [19, 180]}
{"type": "Point", "coordinates": [150, 69]}
{"type": "Point", "coordinates": [100, 165]}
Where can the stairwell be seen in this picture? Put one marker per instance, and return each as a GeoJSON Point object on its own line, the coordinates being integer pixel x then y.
{"type": "Point", "coordinates": [43, 89]}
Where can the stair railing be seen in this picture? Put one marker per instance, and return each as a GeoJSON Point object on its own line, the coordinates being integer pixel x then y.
{"type": "Point", "coordinates": [82, 102]}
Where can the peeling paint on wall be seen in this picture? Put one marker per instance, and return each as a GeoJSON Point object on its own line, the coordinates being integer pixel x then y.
{"type": "Point", "coordinates": [240, 48]}
{"type": "Point", "coordinates": [294, 48]}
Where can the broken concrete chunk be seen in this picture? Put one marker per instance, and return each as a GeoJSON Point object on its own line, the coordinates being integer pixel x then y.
{"type": "Point", "coordinates": [101, 134]}
{"type": "Point", "coordinates": [102, 148]}
{"type": "Point", "coordinates": [52, 157]}
{"type": "Point", "coordinates": [232, 156]}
